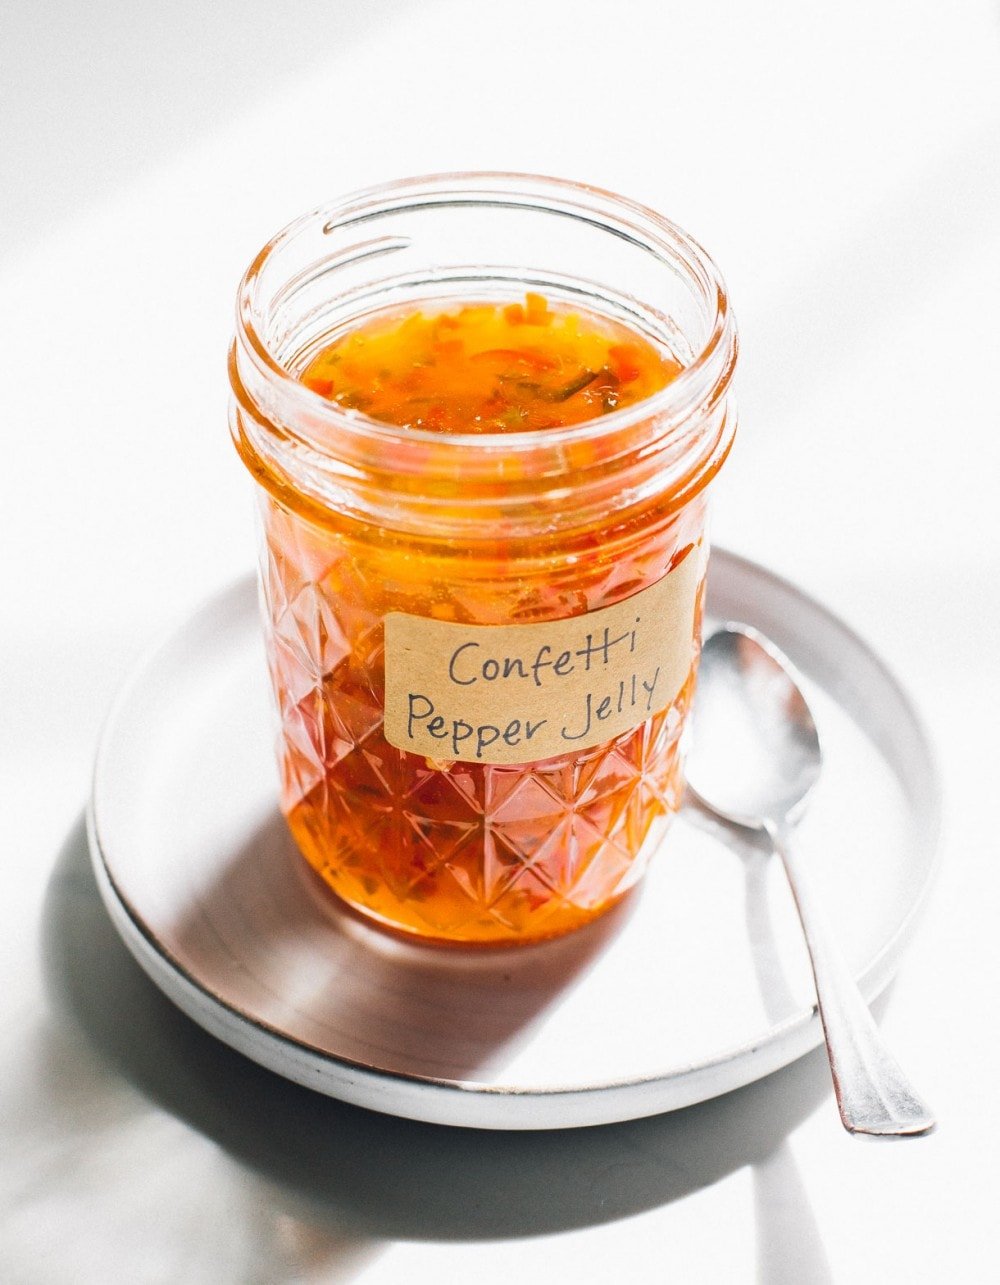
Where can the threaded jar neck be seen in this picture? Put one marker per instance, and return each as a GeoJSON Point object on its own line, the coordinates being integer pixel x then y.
{"type": "Point", "coordinates": [480, 237]}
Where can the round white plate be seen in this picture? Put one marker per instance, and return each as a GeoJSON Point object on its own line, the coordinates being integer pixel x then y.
{"type": "Point", "coordinates": [696, 984]}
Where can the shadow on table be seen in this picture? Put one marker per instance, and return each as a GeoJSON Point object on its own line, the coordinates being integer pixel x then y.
{"type": "Point", "coordinates": [390, 1178]}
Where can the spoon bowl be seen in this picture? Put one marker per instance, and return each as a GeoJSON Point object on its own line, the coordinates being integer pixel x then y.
{"type": "Point", "coordinates": [762, 750]}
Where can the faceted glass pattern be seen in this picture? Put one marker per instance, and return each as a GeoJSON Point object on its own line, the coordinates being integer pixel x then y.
{"type": "Point", "coordinates": [454, 851]}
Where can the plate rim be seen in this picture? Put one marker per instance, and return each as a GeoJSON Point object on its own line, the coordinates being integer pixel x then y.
{"type": "Point", "coordinates": [471, 1103]}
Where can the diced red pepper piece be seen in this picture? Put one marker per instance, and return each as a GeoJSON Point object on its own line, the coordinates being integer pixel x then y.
{"type": "Point", "coordinates": [625, 365]}
{"type": "Point", "coordinates": [322, 386]}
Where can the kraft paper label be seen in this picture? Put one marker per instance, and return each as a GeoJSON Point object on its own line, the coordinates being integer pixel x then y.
{"type": "Point", "coordinates": [509, 694]}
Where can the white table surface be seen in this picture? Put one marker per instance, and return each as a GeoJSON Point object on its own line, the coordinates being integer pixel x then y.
{"type": "Point", "coordinates": [842, 162]}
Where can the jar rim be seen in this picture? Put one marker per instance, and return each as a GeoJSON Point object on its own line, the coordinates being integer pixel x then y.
{"type": "Point", "coordinates": [706, 376]}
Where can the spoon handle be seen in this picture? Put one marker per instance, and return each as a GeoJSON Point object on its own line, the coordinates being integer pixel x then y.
{"type": "Point", "coordinates": [873, 1094]}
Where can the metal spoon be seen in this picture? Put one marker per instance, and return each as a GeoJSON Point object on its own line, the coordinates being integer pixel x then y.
{"type": "Point", "coordinates": [755, 758]}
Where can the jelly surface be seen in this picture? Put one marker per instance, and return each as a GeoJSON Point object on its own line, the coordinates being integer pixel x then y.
{"type": "Point", "coordinates": [463, 851]}
{"type": "Point", "coordinates": [489, 368]}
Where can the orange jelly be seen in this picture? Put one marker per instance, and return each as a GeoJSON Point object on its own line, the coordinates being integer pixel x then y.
{"type": "Point", "coordinates": [489, 368]}
{"type": "Point", "coordinates": [476, 465]}
{"type": "Point", "coordinates": [461, 850]}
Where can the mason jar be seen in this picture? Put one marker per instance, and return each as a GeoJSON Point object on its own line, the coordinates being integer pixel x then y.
{"type": "Point", "coordinates": [482, 646]}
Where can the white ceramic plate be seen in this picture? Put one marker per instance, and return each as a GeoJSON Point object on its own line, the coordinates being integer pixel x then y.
{"type": "Point", "coordinates": [696, 984]}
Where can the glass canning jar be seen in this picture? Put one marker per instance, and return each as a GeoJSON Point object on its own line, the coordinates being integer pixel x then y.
{"type": "Point", "coordinates": [392, 556]}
